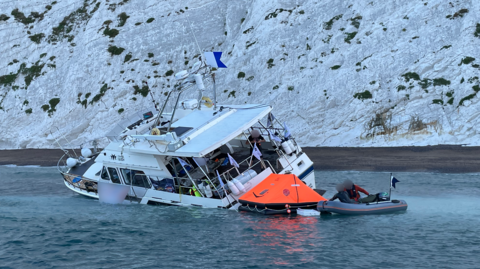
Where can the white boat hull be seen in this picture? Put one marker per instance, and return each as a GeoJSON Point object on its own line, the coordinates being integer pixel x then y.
{"type": "Point", "coordinates": [80, 191]}
{"type": "Point", "coordinates": [156, 197]}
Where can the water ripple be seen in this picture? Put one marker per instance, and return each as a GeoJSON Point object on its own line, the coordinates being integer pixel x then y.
{"type": "Point", "coordinates": [45, 226]}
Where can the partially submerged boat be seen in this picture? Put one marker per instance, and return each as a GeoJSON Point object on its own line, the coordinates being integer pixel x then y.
{"type": "Point", "coordinates": [174, 157]}
{"type": "Point", "coordinates": [362, 209]}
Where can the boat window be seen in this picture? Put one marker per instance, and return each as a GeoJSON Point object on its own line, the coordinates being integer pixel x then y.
{"type": "Point", "coordinates": [105, 174]}
{"type": "Point", "coordinates": [135, 178]}
{"type": "Point", "coordinates": [127, 176]}
{"type": "Point", "coordinates": [114, 175]}
{"type": "Point", "coordinates": [141, 180]}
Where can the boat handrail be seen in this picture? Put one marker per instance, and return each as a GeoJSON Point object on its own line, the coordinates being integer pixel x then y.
{"type": "Point", "coordinates": [278, 145]}
{"type": "Point", "coordinates": [249, 168]}
{"type": "Point", "coordinates": [59, 167]}
{"type": "Point", "coordinates": [69, 178]}
{"type": "Point", "coordinates": [181, 186]}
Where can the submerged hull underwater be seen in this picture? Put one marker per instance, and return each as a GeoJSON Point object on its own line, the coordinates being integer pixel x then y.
{"type": "Point", "coordinates": [362, 209]}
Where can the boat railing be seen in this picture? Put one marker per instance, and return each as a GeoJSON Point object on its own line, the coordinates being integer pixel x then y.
{"type": "Point", "coordinates": [279, 152]}
{"type": "Point", "coordinates": [62, 164]}
{"type": "Point", "coordinates": [81, 183]}
{"type": "Point", "coordinates": [278, 144]}
{"type": "Point", "coordinates": [216, 186]}
{"type": "Point", "coordinates": [262, 163]}
{"type": "Point", "coordinates": [183, 188]}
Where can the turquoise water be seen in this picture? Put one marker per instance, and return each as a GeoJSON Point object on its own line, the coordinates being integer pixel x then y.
{"type": "Point", "coordinates": [45, 225]}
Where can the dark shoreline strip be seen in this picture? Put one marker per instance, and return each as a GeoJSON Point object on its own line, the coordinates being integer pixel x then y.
{"type": "Point", "coordinates": [442, 158]}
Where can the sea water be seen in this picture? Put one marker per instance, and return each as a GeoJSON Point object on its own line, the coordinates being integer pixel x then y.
{"type": "Point", "coordinates": [45, 225]}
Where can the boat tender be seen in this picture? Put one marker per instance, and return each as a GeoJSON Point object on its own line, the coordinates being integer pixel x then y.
{"type": "Point", "coordinates": [361, 209]}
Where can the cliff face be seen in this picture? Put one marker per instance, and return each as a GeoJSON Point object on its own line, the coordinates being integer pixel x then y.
{"type": "Point", "coordinates": [340, 73]}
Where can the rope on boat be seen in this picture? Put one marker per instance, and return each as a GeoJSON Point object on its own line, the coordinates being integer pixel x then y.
{"type": "Point", "coordinates": [277, 210]}
{"type": "Point", "coordinates": [262, 210]}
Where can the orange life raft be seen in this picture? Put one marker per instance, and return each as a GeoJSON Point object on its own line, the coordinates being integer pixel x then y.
{"type": "Point", "coordinates": [279, 193]}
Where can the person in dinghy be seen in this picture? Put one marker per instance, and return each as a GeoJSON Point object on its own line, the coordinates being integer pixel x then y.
{"type": "Point", "coordinates": [342, 195]}
{"type": "Point", "coordinates": [348, 192]}
{"type": "Point", "coordinates": [354, 190]}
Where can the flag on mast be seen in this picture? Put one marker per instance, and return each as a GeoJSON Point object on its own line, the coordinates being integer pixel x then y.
{"type": "Point", "coordinates": [256, 152]}
{"type": "Point", "coordinates": [200, 161]}
{"type": "Point", "coordinates": [182, 162]}
{"type": "Point", "coordinates": [287, 130]}
{"type": "Point", "coordinates": [270, 119]}
{"type": "Point", "coordinates": [220, 179]}
{"type": "Point", "coordinates": [213, 59]}
{"type": "Point", "coordinates": [232, 161]}
{"type": "Point", "coordinates": [274, 137]}
{"type": "Point", "coordinates": [394, 181]}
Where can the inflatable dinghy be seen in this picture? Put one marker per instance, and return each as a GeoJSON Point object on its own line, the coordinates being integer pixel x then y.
{"type": "Point", "coordinates": [362, 209]}
{"type": "Point", "coordinates": [279, 194]}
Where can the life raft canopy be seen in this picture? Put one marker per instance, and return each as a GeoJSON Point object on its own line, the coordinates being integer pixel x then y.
{"type": "Point", "coordinates": [278, 191]}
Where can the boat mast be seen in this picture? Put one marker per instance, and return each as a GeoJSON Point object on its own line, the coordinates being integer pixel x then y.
{"type": "Point", "coordinates": [390, 194]}
{"type": "Point", "coordinates": [214, 93]}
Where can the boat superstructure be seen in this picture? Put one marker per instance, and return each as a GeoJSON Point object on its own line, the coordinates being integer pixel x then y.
{"type": "Point", "coordinates": [183, 156]}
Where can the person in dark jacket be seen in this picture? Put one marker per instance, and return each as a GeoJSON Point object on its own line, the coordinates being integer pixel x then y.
{"type": "Point", "coordinates": [255, 138]}
{"type": "Point", "coordinates": [342, 195]}
{"type": "Point", "coordinates": [354, 192]}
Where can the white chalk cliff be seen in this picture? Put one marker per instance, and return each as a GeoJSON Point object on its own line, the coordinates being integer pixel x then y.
{"type": "Point", "coordinates": [340, 73]}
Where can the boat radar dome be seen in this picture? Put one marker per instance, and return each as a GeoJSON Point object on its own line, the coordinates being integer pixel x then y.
{"type": "Point", "coordinates": [71, 162]}
{"type": "Point", "coordinates": [86, 152]}
{"type": "Point", "coordinates": [181, 75]}
{"type": "Point", "coordinates": [196, 66]}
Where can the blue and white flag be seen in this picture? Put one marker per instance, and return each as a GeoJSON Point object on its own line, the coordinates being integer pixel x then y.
{"type": "Point", "coordinates": [182, 162]}
{"type": "Point", "coordinates": [220, 179]}
{"type": "Point", "coordinates": [232, 161]}
{"type": "Point", "coordinates": [394, 180]}
{"type": "Point", "coordinates": [287, 130]}
{"type": "Point", "coordinates": [256, 152]}
{"type": "Point", "coordinates": [274, 137]}
{"type": "Point", "coordinates": [213, 59]}
{"type": "Point", "coordinates": [270, 119]}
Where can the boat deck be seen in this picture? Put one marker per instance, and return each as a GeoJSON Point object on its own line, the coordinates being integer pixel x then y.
{"type": "Point", "coordinates": [244, 153]}
{"type": "Point", "coordinates": [82, 168]}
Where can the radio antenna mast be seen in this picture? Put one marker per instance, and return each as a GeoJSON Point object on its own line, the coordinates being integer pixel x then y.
{"type": "Point", "coordinates": [196, 41]}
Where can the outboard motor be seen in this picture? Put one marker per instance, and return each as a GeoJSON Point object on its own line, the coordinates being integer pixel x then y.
{"type": "Point", "coordinates": [383, 196]}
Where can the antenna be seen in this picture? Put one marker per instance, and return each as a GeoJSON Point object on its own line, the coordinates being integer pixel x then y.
{"type": "Point", "coordinates": [153, 99]}
{"type": "Point", "coordinates": [70, 144]}
{"type": "Point", "coordinates": [191, 30]}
